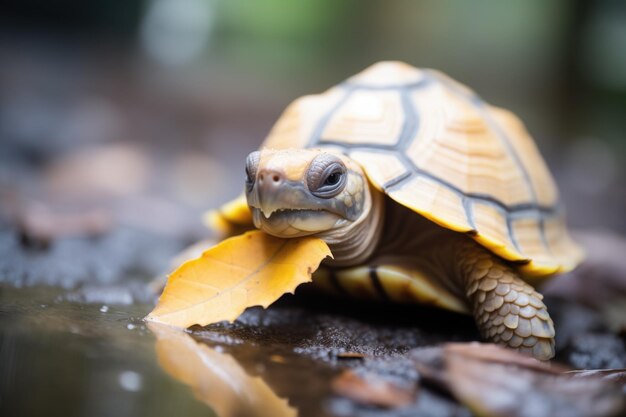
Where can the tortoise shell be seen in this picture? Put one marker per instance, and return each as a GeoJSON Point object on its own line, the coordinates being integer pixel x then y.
{"type": "Point", "coordinates": [432, 145]}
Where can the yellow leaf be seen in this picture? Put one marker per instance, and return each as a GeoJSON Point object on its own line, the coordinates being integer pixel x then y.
{"type": "Point", "coordinates": [240, 272]}
{"type": "Point", "coordinates": [217, 378]}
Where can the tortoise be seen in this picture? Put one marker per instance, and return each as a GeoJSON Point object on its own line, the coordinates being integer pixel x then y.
{"type": "Point", "coordinates": [423, 192]}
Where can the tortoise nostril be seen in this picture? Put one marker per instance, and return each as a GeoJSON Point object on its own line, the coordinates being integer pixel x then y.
{"type": "Point", "coordinates": [270, 178]}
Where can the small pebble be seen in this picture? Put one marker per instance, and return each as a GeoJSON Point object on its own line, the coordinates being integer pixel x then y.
{"type": "Point", "coordinates": [104, 309]}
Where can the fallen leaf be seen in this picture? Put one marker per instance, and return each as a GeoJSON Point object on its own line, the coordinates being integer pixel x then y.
{"type": "Point", "coordinates": [240, 272]}
{"type": "Point", "coordinates": [372, 390]}
{"type": "Point", "coordinates": [496, 354]}
{"type": "Point", "coordinates": [494, 381]}
{"type": "Point", "coordinates": [217, 378]}
{"type": "Point", "coordinates": [431, 368]}
{"type": "Point", "coordinates": [618, 376]}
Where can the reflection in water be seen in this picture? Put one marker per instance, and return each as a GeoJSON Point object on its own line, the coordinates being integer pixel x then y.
{"type": "Point", "coordinates": [62, 358]}
{"type": "Point", "coordinates": [217, 378]}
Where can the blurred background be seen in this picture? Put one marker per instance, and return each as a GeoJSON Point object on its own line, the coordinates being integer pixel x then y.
{"type": "Point", "coordinates": [121, 122]}
{"type": "Point", "coordinates": [140, 113]}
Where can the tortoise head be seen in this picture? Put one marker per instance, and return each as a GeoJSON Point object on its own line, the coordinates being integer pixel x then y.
{"type": "Point", "coordinates": [300, 192]}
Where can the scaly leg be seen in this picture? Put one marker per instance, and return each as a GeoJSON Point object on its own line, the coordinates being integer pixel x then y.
{"type": "Point", "coordinates": [508, 311]}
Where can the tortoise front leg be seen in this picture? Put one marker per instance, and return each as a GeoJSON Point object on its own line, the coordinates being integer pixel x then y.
{"type": "Point", "coordinates": [508, 311]}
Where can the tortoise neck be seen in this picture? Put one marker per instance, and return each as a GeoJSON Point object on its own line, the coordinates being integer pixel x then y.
{"type": "Point", "coordinates": [356, 243]}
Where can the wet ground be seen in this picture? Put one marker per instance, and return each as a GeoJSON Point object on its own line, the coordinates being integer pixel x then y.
{"type": "Point", "coordinates": [74, 345]}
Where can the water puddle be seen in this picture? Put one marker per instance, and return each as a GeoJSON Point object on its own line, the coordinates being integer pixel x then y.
{"type": "Point", "coordinates": [81, 358]}
{"type": "Point", "coordinates": [69, 359]}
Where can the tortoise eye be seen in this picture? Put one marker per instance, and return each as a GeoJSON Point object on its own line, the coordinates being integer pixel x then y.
{"type": "Point", "coordinates": [333, 179]}
{"type": "Point", "coordinates": [326, 176]}
{"type": "Point", "coordinates": [252, 165]}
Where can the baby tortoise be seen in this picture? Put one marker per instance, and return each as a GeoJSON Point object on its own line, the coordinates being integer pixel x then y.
{"type": "Point", "coordinates": [424, 193]}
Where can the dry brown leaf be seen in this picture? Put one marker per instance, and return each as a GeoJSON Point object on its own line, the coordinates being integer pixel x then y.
{"type": "Point", "coordinates": [240, 272]}
{"type": "Point", "coordinates": [497, 354]}
{"type": "Point", "coordinates": [217, 378]}
{"type": "Point", "coordinates": [497, 382]}
{"type": "Point", "coordinates": [618, 376]}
